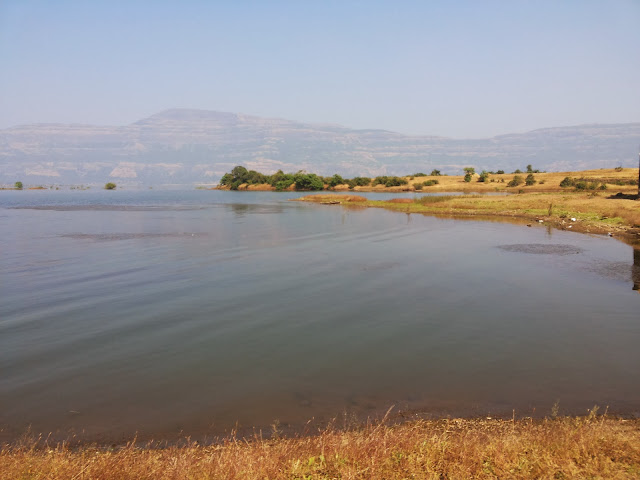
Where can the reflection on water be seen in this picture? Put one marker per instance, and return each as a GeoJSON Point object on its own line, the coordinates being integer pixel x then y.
{"type": "Point", "coordinates": [242, 209]}
{"type": "Point", "coordinates": [106, 237]}
{"type": "Point", "coordinates": [109, 208]}
{"type": "Point", "coordinates": [635, 272]}
{"type": "Point", "coordinates": [250, 309]}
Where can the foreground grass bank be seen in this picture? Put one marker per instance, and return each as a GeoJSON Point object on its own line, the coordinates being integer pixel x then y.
{"type": "Point", "coordinates": [586, 447]}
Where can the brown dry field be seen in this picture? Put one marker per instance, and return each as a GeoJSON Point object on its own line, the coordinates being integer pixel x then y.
{"type": "Point", "coordinates": [546, 182]}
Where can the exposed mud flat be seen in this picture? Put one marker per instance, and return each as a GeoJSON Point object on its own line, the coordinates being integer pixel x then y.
{"type": "Point", "coordinates": [613, 270]}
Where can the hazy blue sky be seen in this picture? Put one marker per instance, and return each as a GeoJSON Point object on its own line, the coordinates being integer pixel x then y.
{"type": "Point", "coordinates": [453, 68]}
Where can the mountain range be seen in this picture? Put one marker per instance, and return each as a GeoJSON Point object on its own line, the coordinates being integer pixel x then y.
{"type": "Point", "coordinates": [183, 146]}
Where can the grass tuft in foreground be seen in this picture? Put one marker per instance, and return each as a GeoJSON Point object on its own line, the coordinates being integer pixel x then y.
{"type": "Point", "coordinates": [566, 447]}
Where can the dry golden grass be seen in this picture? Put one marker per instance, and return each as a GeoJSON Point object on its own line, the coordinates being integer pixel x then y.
{"type": "Point", "coordinates": [613, 210]}
{"type": "Point", "coordinates": [588, 447]}
{"type": "Point", "coordinates": [545, 182]}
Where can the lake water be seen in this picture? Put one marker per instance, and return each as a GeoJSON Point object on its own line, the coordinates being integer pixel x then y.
{"type": "Point", "coordinates": [173, 313]}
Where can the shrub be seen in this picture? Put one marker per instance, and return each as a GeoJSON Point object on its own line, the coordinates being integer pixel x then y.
{"type": "Point", "coordinates": [517, 180]}
{"type": "Point", "coordinates": [435, 173]}
{"type": "Point", "coordinates": [567, 182]}
{"type": "Point", "coordinates": [110, 186]}
{"type": "Point", "coordinates": [500, 172]}
{"type": "Point", "coordinates": [530, 180]}
{"type": "Point", "coordinates": [429, 183]}
{"type": "Point", "coordinates": [484, 176]}
{"type": "Point", "coordinates": [419, 174]}
{"type": "Point", "coordinates": [359, 182]}
{"type": "Point", "coordinates": [418, 186]}
{"type": "Point", "coordinates": [389, 181]}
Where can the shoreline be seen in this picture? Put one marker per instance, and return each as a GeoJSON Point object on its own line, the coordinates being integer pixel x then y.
{"type": "Point", "coordinates": [578, 212]}
{"type": "Point", "coordinates": [602, 202]}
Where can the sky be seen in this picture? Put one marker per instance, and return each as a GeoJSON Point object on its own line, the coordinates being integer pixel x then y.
{"type": "Point", "coordinates": [462, 69]}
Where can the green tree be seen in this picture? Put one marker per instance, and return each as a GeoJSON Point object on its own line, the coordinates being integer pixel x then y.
{"type": "Point", "coordinates": [530, 180]}
{"type": "Point", "coordinates": [484, 176]}
{"type": "Point", "coordinates": [335, 181]}
{"type": "Point", "coordinates": [468, 173]}
{"type": "Point", "coordinates": [239, 173]}
{"type": "Point", "coordinates": [18, 185]}
{"type": "Point", "coordinates": [226, 179]}
{"type": "Point", "coordinates": [283, 184]}
{"type": "Point", "coordinates": [308, 181]}
{"type": "Point", "coordinates": [110, 186]}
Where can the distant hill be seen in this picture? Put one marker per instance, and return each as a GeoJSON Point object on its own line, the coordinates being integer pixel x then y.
{"type": "Point", "coordinates": [183, 146]}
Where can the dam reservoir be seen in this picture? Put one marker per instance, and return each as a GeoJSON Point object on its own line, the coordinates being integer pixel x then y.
{"type": "Point", "coordinates": [192, 312]}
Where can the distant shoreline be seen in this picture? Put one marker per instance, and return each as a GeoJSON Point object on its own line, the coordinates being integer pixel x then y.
{"type": "Point", "coordinates": [622, 180]}
{"type": "Point", "coordinates": [595, 201]}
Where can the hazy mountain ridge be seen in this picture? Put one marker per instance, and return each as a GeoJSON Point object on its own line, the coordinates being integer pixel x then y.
{"type": "Point", "coordinates": [198, 146]}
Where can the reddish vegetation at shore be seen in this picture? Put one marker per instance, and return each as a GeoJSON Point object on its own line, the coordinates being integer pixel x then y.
{"type": "Point", "coordinates": [333, 198]}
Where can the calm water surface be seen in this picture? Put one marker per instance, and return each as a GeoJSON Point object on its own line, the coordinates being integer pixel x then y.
{"type": "Point", "coordinates": [191, 312]}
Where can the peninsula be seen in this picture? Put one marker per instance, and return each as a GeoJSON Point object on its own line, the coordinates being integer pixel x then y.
{"type": "Point", "coordinates": [602, 201]}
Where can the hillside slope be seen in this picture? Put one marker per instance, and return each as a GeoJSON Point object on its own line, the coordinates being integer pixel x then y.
{"type": "Point", "coordinates": [198, 146]}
